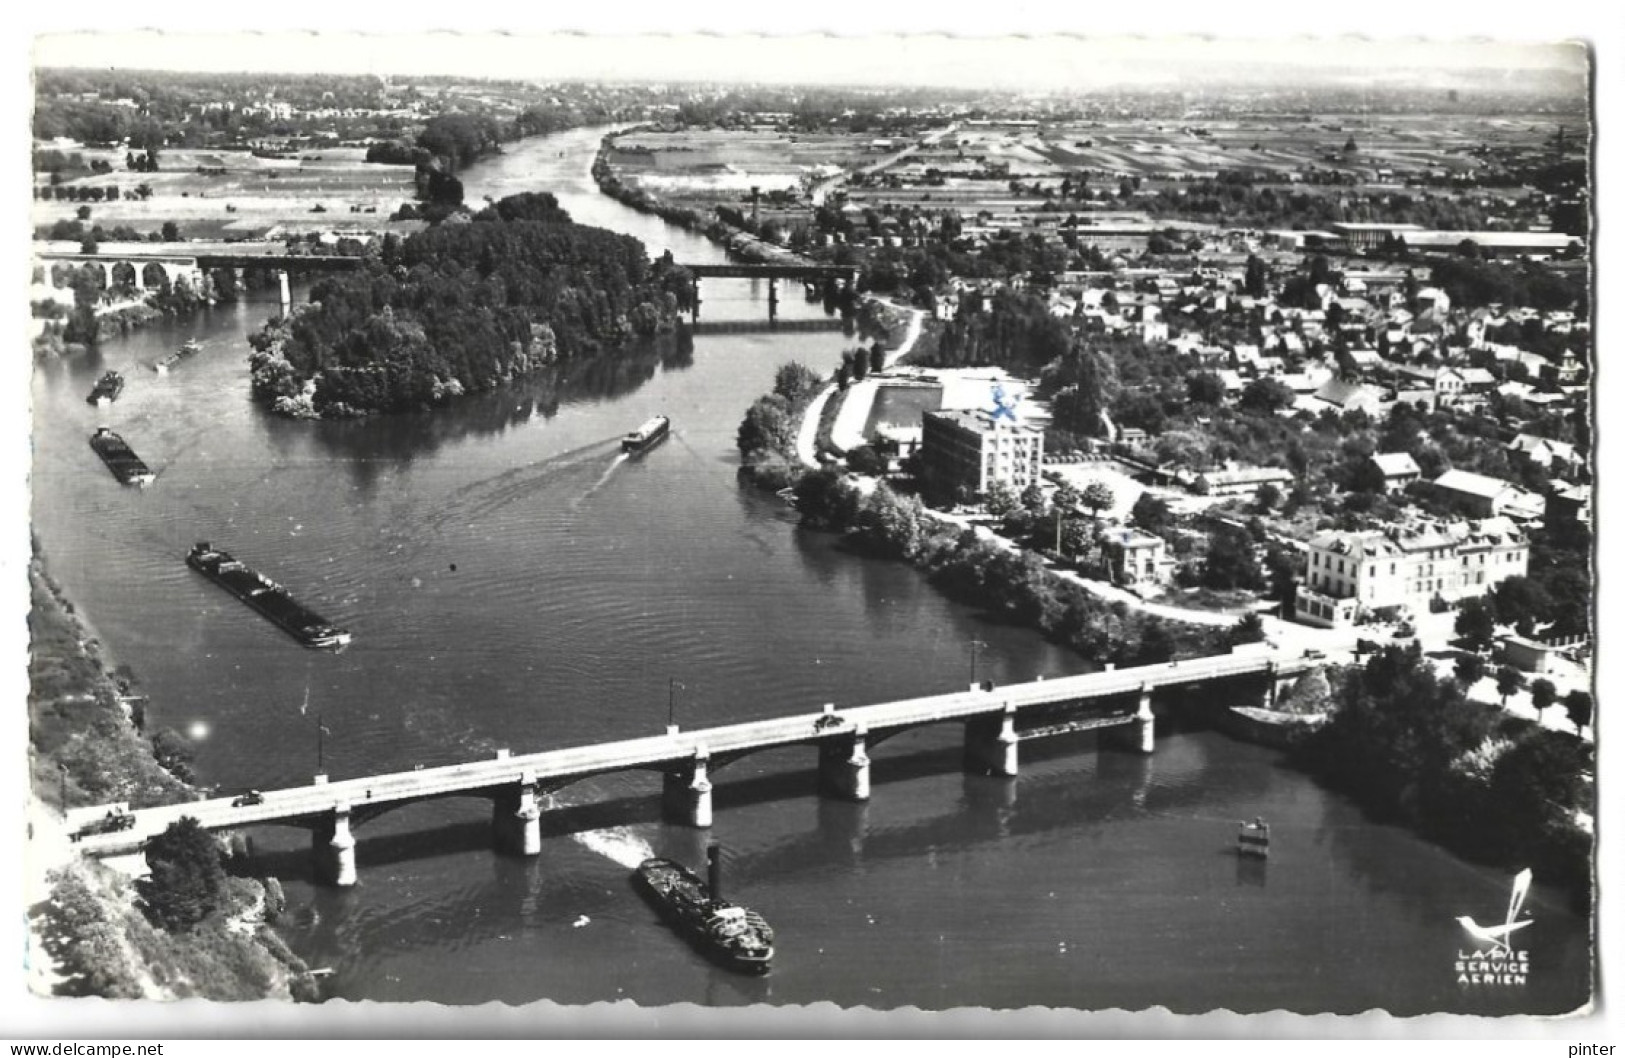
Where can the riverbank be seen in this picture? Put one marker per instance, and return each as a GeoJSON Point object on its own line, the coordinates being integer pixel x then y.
{"type": "Point", "coordinates": [87, 743]}
{"type": "Point", "coordinates": [87, 746]}
{"type": "Point", "coordinates": [737, 241]}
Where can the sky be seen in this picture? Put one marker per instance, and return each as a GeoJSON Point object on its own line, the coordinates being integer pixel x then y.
{"type": "Point", "coordinates": [1037, 62]}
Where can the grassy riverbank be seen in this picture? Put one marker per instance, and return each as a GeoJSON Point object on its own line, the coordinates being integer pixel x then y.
{"type": "Point", "coordinates": [89, 933]}
{"type": "Point", "coordinates": [85, 747]}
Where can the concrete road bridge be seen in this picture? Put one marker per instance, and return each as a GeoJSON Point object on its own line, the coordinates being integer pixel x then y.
{"type": "Point", "coordinates": [996, 721]}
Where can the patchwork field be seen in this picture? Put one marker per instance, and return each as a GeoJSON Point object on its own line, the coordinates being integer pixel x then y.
{"type": "Point", "coordinates": [227, 194]}
{"type": "Point", "coordinates": [722, 165]}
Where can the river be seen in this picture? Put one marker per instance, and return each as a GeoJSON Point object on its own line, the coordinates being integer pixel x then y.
{"type": "Point", "coordinates": [513, 582]}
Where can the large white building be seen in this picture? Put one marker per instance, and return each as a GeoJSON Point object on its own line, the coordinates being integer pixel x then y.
{"type": "Point", "coordinates": [965, 452]}
{"type": "Point", "coordinates": [1352, 573]}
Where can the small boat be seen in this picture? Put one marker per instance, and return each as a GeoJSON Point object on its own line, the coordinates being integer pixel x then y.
{"type": "Point", "coordinates": [121, 458]}
{"type": "Point", "coordinates": [191, 348]}
{"type": "Point", "coordinates": [1253, 839]}
{"type": "Point", "coordinates": [646, 436]}
{"type": "Point", "coordinates": [108, 387]}
{"type": "Point", "coordinates": [267, 596]}
{"type": "Point", "coordinates": [733, 936]}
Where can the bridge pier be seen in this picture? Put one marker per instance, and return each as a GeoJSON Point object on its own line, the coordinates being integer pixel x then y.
{"type": "Point", "coordinates": [772, 299]}
{"type": "Point", "coordinates": [1141, 734]}
{"type": "Point", "coordinates": [516, 820]}
{"type": "Point", "coordinates": [687, 794]}
{"type": "Point", "coordinates": [332, 847]}
{"type": "Point", "coordinates": [843, 767]}
{"type": "Point", "coordinates": [991, 744]}
{"type": "Point", "coordinates": [1277, 686]}
{"type": "Point", "coordinates": [284, 295]}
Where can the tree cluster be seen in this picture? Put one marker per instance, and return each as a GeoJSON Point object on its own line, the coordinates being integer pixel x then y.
{"type": "Point", "coordinates": [186, 877]}
{"type": "Point", "coordinates": [1014, 584]}
{"type": "Point", "coordinates": [767, 436]}
{"type": "Point", "coordinates": [1412, 746]}
{"type": "Point", "coordinates": [463, 308]}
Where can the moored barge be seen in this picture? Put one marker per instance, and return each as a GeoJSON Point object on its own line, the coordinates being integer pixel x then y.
{"type": "Point", "coordinates": [268, 597]}
{"type": "Point", "coordinates": [734, 936]}
{"type": "Point", "coordinates": [121, 458]}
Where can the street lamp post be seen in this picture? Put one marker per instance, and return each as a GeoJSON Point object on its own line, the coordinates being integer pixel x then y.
{"type": "Point", "coordinates": [671, 704]}
{"type": "Point", "coordinates": [321, 748]}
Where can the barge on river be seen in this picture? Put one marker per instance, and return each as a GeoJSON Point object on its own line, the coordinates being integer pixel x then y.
{"type": "Point", "coordinates": [107, 389]}
{"type": "Point", "coordinates": [121, 458]}
{"type": "Point", "coordinates": [1253, 839]}
{"type": "Point", "coordinates": [647, 436]}
{"type": "Point", "coordinates": [735, 937]}
{"type": "Point", "coordinates": [191, 348]}
{"type": "Point", "coordinates": [268, 597]}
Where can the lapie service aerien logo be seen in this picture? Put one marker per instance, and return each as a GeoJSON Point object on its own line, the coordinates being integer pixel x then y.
{"type": "Point", "coordinates": [1495, 961]}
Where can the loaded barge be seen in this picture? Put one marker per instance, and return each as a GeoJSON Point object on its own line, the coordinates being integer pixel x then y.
{"type": "Point", "coordinates": [734, 936]}
{"type": "Point", "coordinates": [268, 597]}
{"type": "Point", "coordinates": [108, 387]}
{"type": "Point", "coordinates": [121, 458]}
{"type": "Point", "coordinates": [646, 436]}
{"type": "Point", "coordinates": [191, 348]}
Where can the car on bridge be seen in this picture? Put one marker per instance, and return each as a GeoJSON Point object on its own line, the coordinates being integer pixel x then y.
{"type": "Point", "coordinates": [829, 722]}
{"type": "Point", "coordinates": [116, 819]}
{"type": "Point", "coordinates": [252, 797]}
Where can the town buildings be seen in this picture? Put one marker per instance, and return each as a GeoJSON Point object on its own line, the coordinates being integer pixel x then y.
{"type": "Point", "coordinates": [1350, 574]}
{"type": "Point", "coordinates": [1398, 470]}
{"type": "Point", "coordinates": [1136, 560]}
{"type": "Point", "coordinates": [1480, 496]}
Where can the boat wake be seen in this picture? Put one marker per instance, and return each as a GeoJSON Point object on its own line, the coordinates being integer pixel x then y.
{"type": "Point", "coordinates": [618, 844]}
{"type": "Point", "coordinates": [480, 499]}
{"type": "Point", "coordinates": [603, 480]}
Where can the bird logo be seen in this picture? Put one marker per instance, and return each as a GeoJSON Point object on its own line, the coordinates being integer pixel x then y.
{"type": "Point", "coordinates": [1497, 937]}
{"type": "Point", "coordinates": [1004, 405]}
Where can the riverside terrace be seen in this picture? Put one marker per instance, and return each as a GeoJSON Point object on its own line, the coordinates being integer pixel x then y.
{"type": "Point", "coordinates": [996, 721]}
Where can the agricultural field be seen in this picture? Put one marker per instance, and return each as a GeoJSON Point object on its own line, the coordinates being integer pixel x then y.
{"type": "Point", "coordinates": [1386, 145]}
{"type": "Point", "coordinates": [722, 165]}
{"type": "Point", "coordinates": [213, 194]}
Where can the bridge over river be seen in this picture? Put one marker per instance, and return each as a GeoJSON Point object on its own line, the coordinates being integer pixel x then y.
{"type": "Point", "coordinates": [996, 721]}
{"type": "Point", "coordinates": [144, 264]}
{"type": "Point", "coordinates": [807, 272]}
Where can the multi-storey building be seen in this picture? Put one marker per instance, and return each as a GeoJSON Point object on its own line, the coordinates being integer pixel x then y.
{"type": "Point", "coordinates": [966, 452]}
{"type": "Point", "coordinates": [1351, 573]}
